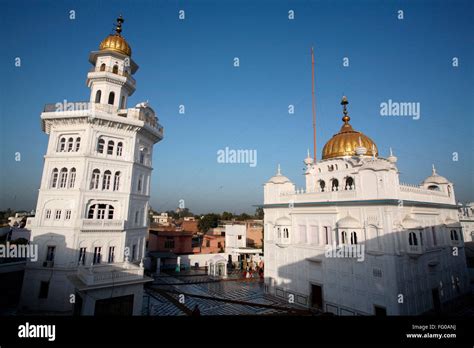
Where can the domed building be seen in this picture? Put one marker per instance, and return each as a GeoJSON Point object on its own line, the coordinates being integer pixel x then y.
{"type": "Point", "coordinates": [91, 216]}
{"type": "Point", "coordinates": [357, 241]}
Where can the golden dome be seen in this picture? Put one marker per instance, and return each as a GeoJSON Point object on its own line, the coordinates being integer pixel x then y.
{"type": "Point", "coordinates": [116, 42]}
{"type": "Point", "coordinates": [347, 140]}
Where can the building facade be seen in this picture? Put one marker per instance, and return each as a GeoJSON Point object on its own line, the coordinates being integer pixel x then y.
{"type": "Point", "coordinates": [91, 215]}
{"type": "Point", "coordinates": [356, 241]}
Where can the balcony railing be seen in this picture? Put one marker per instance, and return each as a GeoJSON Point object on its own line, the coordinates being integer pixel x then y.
{"type": "Point", "coordinates": [119, 73]}
{"type": "Point", "coordinates": [84, 108]}
{"type": "Point", "coordinates": [110, 273]}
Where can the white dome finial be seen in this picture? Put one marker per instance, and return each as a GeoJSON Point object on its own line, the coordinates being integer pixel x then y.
{"type": "Point", "coordinates": [433, 169]}
{"type": "Point", "coordinates": [391, 152]}
{"type": "Point", "coordinates": [279, 169]}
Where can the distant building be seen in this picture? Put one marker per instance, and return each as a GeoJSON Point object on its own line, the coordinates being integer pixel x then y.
{"type": "Point", "coordinates": [162, 219]}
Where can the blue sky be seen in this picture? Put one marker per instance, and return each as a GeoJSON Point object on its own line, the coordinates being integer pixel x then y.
{"type": "Point", "coordinates": [190, 62]}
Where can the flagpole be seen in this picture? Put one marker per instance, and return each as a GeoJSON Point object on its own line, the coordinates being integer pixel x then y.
{"type": "Point", "coordinates": [314, 105]}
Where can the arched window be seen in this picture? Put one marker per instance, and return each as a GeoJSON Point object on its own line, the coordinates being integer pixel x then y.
{"type": "Point", "coordinates": [98, 95]}
{"type": "Point", "coordinates": [111, 98]}
{"type": "Point", "coordinates": [412, 239]}
{"type": "Point", "coordinates": [331, 168]}
{"type": "Point", "coordinates": [63, 178]}
{"type": "Point", "coordinates": [95, 179]}
{"type": "Point", "coordinates": [72, 177]}
{"type": "Point", "coordinates": [110, 147]}
{"type": "Point", "coordinates": [322, 185]}
{"type": "Point", "coordinates": [343, 237]}
{"type": "Point", "coordinates": [349, 183]}
{"type": "Point", "coordinates": [433, 187]}
{"type": "Point", "coordinates": [279, 232]}
{"type": "Point", "coordinates": [335, 184]}
{"type": "Point", "coordinates": [122, 103]}
{"type": "Point", "coordinates": [353, 237]}
{"type": "Point", "coordinates": [70, 144]}
{"type": "Point", "coordinates": [90, 213]}
{"type": "Point", "coordinates": [119, 148]}
{"type": "Point", "coordinates": [62, 145]}
{"type": "Point", "coordinates": [78, 144]}
{"type": "Point", "coordinates": [286, 233]}
{"type": "Point", "coordinates": [139, 186]}
{"type": "Point", "coordinates": [102, 67]}
{"type": "Point", "coordinates": [106, 180]}
{"type": "Point", "coordinates": [454, 235]}
{"type": "Point", "coordinates": [100, 145]}
{"type": "Point", "coordinates": [117, 181]}
{"type": "Point", "coordinates": [54, 178]}
{"type": "Point", "coordinates": [111, 212]}
{"type": "Point", "coordinates": [115, 69]}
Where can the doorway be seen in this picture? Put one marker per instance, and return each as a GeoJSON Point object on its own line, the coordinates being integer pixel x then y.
{"type": "Point", "coordinates": [316, 296]}
{"type": "Point", "coordinates": [436, 300]}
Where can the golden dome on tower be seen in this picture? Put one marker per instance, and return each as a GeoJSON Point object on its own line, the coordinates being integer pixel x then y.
{"type": "Point", "coordinates": [348, 140]}
{"type": "Point", "coordinates": [116, 42]}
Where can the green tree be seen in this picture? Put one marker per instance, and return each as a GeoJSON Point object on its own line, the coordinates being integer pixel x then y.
{"type": "Point", "coordinates": [227, 216]}
{"type": "Point", "coordinates": [208, 221]}
{"type": "Point", "coordinates": [259, 213]}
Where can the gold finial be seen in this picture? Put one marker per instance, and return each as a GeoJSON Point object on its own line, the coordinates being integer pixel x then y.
{"type": "Point", "coordinates": [344, 103]}
{"type": "Point", "coordinates": [118, 28]}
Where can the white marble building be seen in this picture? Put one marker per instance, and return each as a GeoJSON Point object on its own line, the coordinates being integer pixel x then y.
{"type": "Point", "coordinates": [410, 239]}
{"type": "Point", "coordinates": [91, 215]}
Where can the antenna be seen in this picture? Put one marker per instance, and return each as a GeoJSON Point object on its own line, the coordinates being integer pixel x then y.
{"type": "Point", "coordinates": [314, 104]}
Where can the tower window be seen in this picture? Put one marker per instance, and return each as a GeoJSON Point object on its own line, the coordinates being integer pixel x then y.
{"type": "Point", "coordinates": [115, 69]}
{"type": "Point", "coordinates": [119, 149]}
{"type": "Point", "coordinates": [110, 147]}
{"type": "Point", "coordinates": [98, 95]}
{"type": "Point", "coordinates": [106, 180]}
{"type": "Point", "coordinates": [111, 254]}
{"type": "Point", "coordinates": [78, 144]}
{"type": "Point", "coordinates": [63, 178]}
{"type": "Point", "coordinates": [117, 181]}
{"type": "Point", "coordinates": [110, 214]}
{"type": "Point", "coordinates": [82, 256]}
{"type": "Point", "coordinates": [57, 214]}
{"type": "Point", "coordinates": [68, 214]}
{"type": "Point", "coordinates": [322, 185]}
{"type": "Point", "coordinates": [62, 144]}
{"type": "Point", "coordinates": [412, 239]}
{"type": "Point", "coordinates": [349, 183]}
{"type": "Point", "coordinates": [97, 255]}
{"type": "Point", "coordinates": [102, 67]}
{"type": "Point", "coordinates": [111, 98]}
{"type": "Point", "coordinates": [54, 179]}
{"type": "Point", "coordinates": [100, 145]}
{"type": "Point", "coordinates": [454, 235]}
{"type": "Point", "coordinates": [335, 185]}
{"type": "Point", "coordinates": [343, 237]}
{"type": "Point", "coordinates": [95, 179]}
{"type": "Point", "coordinates": [70, 144]}
{"type": "Point", "coordinates": [72, 178]}
{"type": "Point", "coordinates": [101, 211]}
{"type": "Point", "coordinates": [353, 238]}
{"type": "Point", "coordinates": [48, 214]}
{"type": "Point", "coordinates": [139, 188]}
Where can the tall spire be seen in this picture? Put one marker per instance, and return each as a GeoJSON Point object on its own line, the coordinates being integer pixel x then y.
{"type": "Point", "coordinates": [344, 103]}
{"type": "Point", "coordinates": [313, 104]}
{"type": "Point", "coordinates": [118, 28]}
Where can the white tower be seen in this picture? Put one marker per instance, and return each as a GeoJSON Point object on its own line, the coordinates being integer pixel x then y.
{"type": "Point", "coordinates": [91, 215]}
